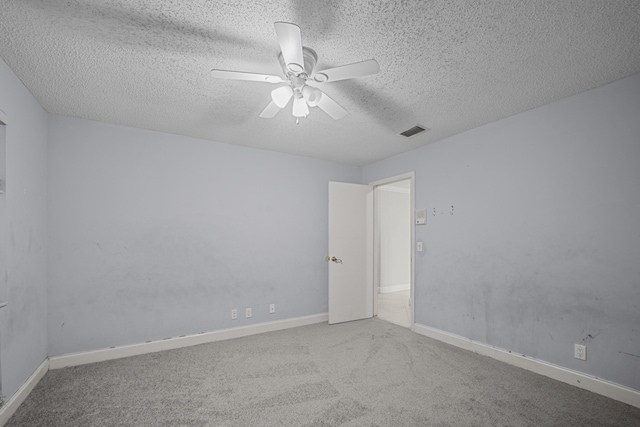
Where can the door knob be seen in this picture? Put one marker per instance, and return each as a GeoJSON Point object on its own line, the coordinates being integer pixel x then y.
{"type": "Point", "coordinates": [334, 259]}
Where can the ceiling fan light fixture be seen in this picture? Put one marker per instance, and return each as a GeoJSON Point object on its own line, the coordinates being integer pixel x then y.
{"type": "Point", "coordinates": [300, 108]}
{"type": "Point", "coordinates": [282, 95]}
{"type": "Point", "coordinates": [312, 95]}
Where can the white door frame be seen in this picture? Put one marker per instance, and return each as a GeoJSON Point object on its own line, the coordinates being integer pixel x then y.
{"type": "Point", "coordinates": [376, 240]}
{"type": "Point", "coordinates": [4, 249]}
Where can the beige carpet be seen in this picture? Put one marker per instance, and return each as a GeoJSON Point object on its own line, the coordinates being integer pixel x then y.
{"type": "Point", "coordinates": [365, 373]}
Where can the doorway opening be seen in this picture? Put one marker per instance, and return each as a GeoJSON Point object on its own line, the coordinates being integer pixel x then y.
{"type": "Point", "coordinates": [393, 249]}
{"type": "Point", "coordinates": [3, 238]}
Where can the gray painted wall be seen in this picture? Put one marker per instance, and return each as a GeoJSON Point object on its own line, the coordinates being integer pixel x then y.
{"type": "Point", "coordinates": [155, 235]}
{"type": "Point", "coordinates": [23, 322]}
{"type": "Point", "coordinates": [542, 249]}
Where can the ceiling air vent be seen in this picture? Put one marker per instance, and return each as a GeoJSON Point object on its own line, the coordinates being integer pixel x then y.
{"type": "Point", "coordinates": [414, 131]}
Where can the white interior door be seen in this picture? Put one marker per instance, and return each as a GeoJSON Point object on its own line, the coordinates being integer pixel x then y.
{"type": "Point", "coordinates": [350, 252]}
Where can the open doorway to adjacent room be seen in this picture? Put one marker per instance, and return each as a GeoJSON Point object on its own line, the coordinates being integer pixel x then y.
{"type": "Point", "coordinates": [3, 239]}
{"type": "Point", "coordinates": [393, 241]}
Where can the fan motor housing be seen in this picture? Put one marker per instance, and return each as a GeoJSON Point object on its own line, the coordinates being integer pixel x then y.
{"type": "Point", "coordinates": [310, 58]}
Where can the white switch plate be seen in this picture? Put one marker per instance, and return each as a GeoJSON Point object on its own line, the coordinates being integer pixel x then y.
{"type": "Point", "coordinates": [419, 246]}
{"type": "Point", "coordinates": [272, 308]}
{"type": "Point", "coordinates": [248, 312]}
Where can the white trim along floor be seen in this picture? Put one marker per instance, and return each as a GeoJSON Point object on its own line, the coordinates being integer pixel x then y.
{"type": "Point", "coordinates": [596, 385]}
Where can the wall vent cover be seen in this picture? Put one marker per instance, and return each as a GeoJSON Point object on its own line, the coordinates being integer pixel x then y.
{"type": "Point", "coordinates": [414, 131]}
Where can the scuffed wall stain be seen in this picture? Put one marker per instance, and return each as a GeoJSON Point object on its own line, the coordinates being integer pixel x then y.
{"type": "Point", "coordinates": [590, 337]}
{"type": "Point", "coordinates": [510, 301]}
{"type": "Point", "coordinates": [629, 354]}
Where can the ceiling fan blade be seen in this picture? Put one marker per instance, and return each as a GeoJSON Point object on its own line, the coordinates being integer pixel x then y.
{"type": "Point", "coordinates": [271, 111]}
{"type": "Point", "coordinates": [358, 69]}
{"type": "Point", "coordinates": [240, 75]}
{"type": "Point", "coordinates": [290, 39]}
{"type": "Point", "coordinates": [331, 107]}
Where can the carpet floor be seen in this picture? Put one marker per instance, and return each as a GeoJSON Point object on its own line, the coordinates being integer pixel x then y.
{"type": "Point", "coordinates": [364, 373]}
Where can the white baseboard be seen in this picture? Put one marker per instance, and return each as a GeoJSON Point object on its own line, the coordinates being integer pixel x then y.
{"type": "Point", "coordinates": [186, 341]}
{"type": "Point", "coordinates": [394, 288]}
{"type": "Point", "coordinates": [19, 396]}
{"type": "Point", "coordinates": [596, 385]}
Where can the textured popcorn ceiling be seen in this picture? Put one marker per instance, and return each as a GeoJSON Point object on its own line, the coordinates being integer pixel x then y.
{"type": "Point", "coordinates": [449, 65]}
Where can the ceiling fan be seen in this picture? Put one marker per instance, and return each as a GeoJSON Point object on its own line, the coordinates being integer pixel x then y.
{"type": "Point", "coordinates": [298, 64]}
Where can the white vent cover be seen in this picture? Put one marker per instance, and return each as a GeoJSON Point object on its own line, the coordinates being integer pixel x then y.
{"type": "Point", "coordinates": [417, 129]}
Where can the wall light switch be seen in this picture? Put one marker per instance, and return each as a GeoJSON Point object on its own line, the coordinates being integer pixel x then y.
{"type": "Point", "coordinates": [419, 246]}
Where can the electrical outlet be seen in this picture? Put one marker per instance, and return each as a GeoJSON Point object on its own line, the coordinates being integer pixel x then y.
{"type": "Point", "coordinates": [580, 352]}
{"type": "Point", "coordinates": [234, 314]}
{"type": "Point", "coordinates": [272, 308]}
{"type": "Point", "coordinates": [247, 312]}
